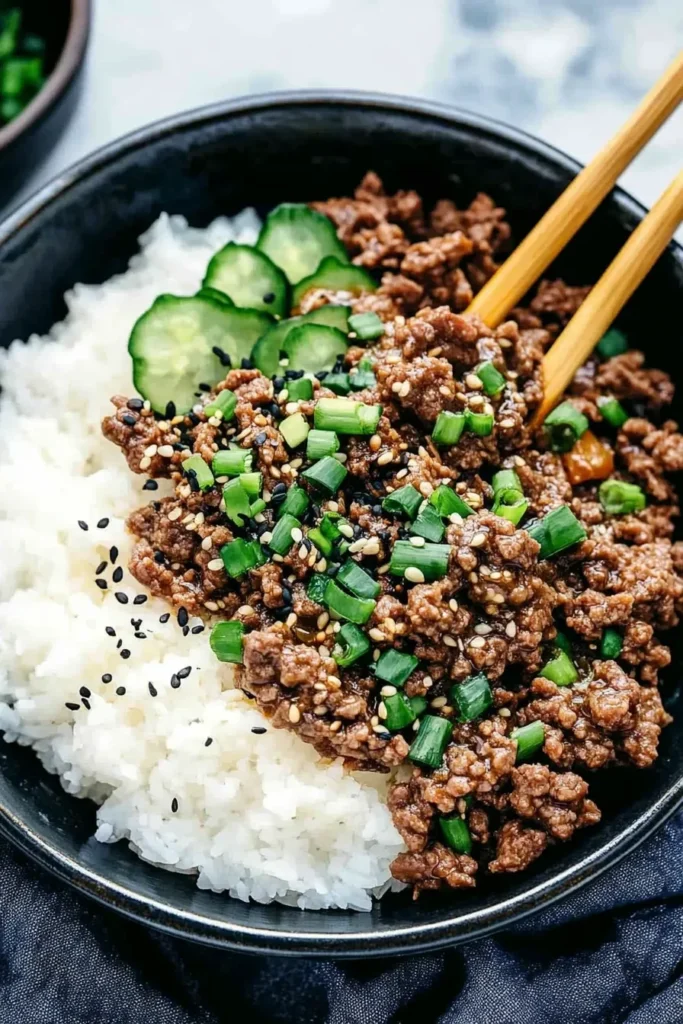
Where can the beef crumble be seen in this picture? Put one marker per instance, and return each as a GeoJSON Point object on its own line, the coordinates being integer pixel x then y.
{"type": "Point", "coordinates": [498, 607]}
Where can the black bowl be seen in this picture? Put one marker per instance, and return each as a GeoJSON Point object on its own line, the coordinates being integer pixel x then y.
{"type": "Point", "coordinates": [83, 227]}
{"type": "Point", "coordinates": [25, 141]}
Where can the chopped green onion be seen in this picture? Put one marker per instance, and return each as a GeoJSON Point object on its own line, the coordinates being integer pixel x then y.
{"type": "Point", "coordinates": [225, 403]}
{"type": "Point", "coordinates": [366, 326]}
{"type": "Point", "coordinates": [508, 498]}
{"type": "Point", "coordinates": [252, 483]}
{"type": "Point", "coordinates": [492, 379]}
{"type": "Point", "coordinates": [564, 643]}
{"type": "Point", "coordinates": [419, 705]}
{"type": "Point", "coordinates": [362, 380]}
{"type": "Point", "coordinates": [299, 390]}
{"type": "Point", "coordinates": [339, 383]}
{"type": "Point", "coordinates": [238, 556]}
{"type": "Point", "coordinates": [429, 562]}
{"type": "Point", "coordinates": [197, 467]}
{"type": "Point", "coordinates": [612, 411]}
{"type": "Point", "coordinates": [479, 423]}
{"type": "Point", "coordinates": [357, 580]}
{"type": "Point", "coordinates": [256, 507]}
{"type": "Point", "coordinates": [316, 587]}
{"type": "Point", "coordinates": [612, 343]}
{"type": "Point", "coordinates": [236, 502]}
{"type": "Point", "coordinates": [403, 502]}
{"type": "Point", "coordinates": [448, 503]}
{"type": "Point", "coordinates": [558, 530]}
{"type": "Point", "coordinates": [611, 644]}
{"type": "Point", "coordinates": [256, 554]}
{"type": "Point", "coordinates": [232, 462]}
{"type": "Point", "coordinates": [530, 738]}
{"type": "Point", "coordinates": [330, 523]}
{"type": "Point", "coordinates": [323, 544]}
{"type": "Point", "coordinates": [351, 644]}
{"type": "Point", "coordinates": [619, 498]}
{"type": "Point", "coordinates": [295, 503]}
{"type": "Point", "coordinates": [400, 712]}
{"type": "Point", "coordinates": [395, 667]}
{"type": "Point", "coordinates": [432, 739]}
{"type": "Point", "coordinates": [514, 512]}
{"type": "Point", "coordinates": [472, 697]}
{"type": "Point", "coordinates": [327, 475]}
{"type": "Point", "coordinates": [448, 427]}
{"type": "Point", "coordinates": [281, 539]}
{"type": "Point", "coordinates": [346, 416]}
{"type": "Point", "coordinates": [456, 833]}
{"type": "Point", "coordinates": [560, 670]}
{"type": "Point", "coordinates": [294, 429]}
{"type": "Point", "coordinates": [429, 524]}
{"type": "Point", "coordinates": [321, 443]}
{"type": "Point", "coordinates": [226, 641]}
{"type": "Point", "coordinates": [564, 426]}
{"type": "Point", "coordinates": [346, 607]}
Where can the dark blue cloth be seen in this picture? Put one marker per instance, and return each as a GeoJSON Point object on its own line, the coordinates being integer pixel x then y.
{"type": "Point", "coordinates": [610, 954]}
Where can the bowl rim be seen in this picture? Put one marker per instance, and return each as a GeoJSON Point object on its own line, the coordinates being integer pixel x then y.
{"type": "Point", "coordinates": [374, 940]}
{"type": "Point", "coordinates": [58, 80]}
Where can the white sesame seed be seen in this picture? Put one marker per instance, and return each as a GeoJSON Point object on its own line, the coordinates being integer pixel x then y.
{"type": "Point", "coordinates": [443, 390]}
{"type": "Point", "coordinates": [396, 386]}
{"type": "Point", "coordinates": [245, 609]}
{"type": "Point", "coordinates": [282, 396]}
{"type": "Point", "coordinates": [482, 629]}
{"type": "Point", "coordinates": [166, 451]}
{"type": "Point", "coordinates": [303, 552]}
{"type": "Point", "coordinates": [453, 605]}
{"type": "Point", "coordinates": [296, 463]}
{"type": "Point", "coordinates": [319, 686]}
{"type": "Point", "coordinates": [332, 506]}
{"type": "Point", "coordinates": [450, 641]}
{"type": "Point", "coordinates": [405, 389]}
{"type": "Point", "coordinates": [381, 730]}
{"type": "Point", "coordinates": [372, 547]}
{"type": "Point", "coordinates": [455, 518]}
{"type": "Point", "coordinates": [388, 691]}
{"type": "Point", "coordinates": [296, 535]}
{"type": "Point", "coordinates": [376, 634]}
{"type": "Point", "coordinates": [336, 726]}
{"type": "Point", "coordinates": [382, 709]}
{"type": "Point", "coordinates": [401, 473]}
{"type": "Point", "coordinates": [426, 488]}
{"type": "Point", "coordinates": [206, 544]}
{"type": "Point", "coordinates": [511, 629]}
{"type": "Point", "coordinates": [385, 458]}
{"type": "Point", "coordinates": [291, 407]}
{"type": "Point", "coordinates": [345, 529]}
{"type": "Point", "coordinates": [259, 517]}
{"type": "Point", "coordinates": [175, 513]}
{"type": "Point", "coordinates": [414, 574]}
{"type": "Point", "coordinates": [358, 545]}
{"type": "Point", "coordinates": [150, 450]}
{"type": "Point", "coordinates": [438, 702]}
{"type": "Point", "coordinates": [290, 620]}
{"type": "Point", "coordinates": [478, 642]}
{"type": "Point", "coordinates": [375, 443]}
{"type": "Point", "coordinates": [473, 382]}
{"type": "Point", "coordinates": [266, 537]}
{"type": "Point", "coordinates": [507, 423]}
{"type": "Point", "coordinates": [505, 712]}
{"type": "Point", "coordinates": [275, 472]}
{"type": "Point", "coordinates": [417, 542]}
{"type": "Point", "coordinates": [145, 462]}
{"type": "Point", "coordinates": [427, 681]}
{"type": "Point", "coordinates": [416, 725]}
{"type": "Point", "coordinates": [294, 714]}
{"type": "Point", "coordinates": [211, 606]}
{"type": "Point", "coordinates": [375, 655]}
{"type": "Point", "coordinates": [383, 569]}
{"type": "Point", "coordinates": [215, 565]}
{"type": "Point", "coordinates": [322, 620]}
{"type": "Point", "coordinates": [478, 540]}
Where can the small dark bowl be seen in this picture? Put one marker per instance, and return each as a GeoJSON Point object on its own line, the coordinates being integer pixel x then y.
{"type": "Point", "coordinates": [27, 140]}
{"type": "Point", "coordinates": [83, 227]}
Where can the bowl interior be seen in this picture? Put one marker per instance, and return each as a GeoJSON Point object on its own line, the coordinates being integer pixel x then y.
{"type": "Point", "coordinates": [260, 153]}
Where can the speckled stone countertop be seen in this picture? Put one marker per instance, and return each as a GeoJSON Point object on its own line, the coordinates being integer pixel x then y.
{"type": "Point", "coordinates": [569, 71]}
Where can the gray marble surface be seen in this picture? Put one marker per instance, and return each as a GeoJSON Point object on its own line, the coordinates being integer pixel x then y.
{"type": "Point", "coordinates": [567, 70]}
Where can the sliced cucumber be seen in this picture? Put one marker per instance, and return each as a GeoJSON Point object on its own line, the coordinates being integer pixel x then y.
{"type": "Point", "coordinates": [314, 347]}
{"type": "Point", "coordinates": [172, 346]}
{"type": "Point", "coordinates": [213, 293]}
{"type": "Point", "coordinates": [266, 353]}
{"type": "Point", "coordinates": [249, 278]}
{"type": "Point", "coordinates": [334, 276]}
{"type": "Point", "coordinates": [297, 238]}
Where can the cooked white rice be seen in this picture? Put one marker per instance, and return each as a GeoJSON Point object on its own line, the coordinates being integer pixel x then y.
{"type": "Point", "coordinates": [257, 815]}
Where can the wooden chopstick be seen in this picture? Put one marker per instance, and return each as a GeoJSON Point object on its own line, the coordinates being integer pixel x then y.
{"type": "Point", "coordinates": [578, 201]}
{"type": "Point", "coordinates": [605, 300]}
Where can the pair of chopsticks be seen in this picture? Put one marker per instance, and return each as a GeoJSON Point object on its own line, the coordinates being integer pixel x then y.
{"type": "Point", "coordinates": [562, 221]}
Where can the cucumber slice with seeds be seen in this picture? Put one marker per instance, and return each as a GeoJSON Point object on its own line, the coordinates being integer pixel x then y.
{"type": "Point", "coordinates": [172, 344]}
{"type": "Point", "coordinates": [335, 276]}
{"type": "Point", "coordinates": [266, 353]}
{"type": "Point", "coordinates": [297, 238]}
{"type": "Point", "coordinates": [213, 293]}
{"type": "Point", "coordinates": [250, 279]}
{"type": "Point", "coordinates": [314, 347]}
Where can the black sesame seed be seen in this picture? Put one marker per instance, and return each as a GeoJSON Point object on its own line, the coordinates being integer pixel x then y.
{"type": "Point", "coordinates": [135, 404]}
{"type": "Point", "coordinates": [182, 616]}
{"type": "Point", "coordinates": [150, 485]}
{"type": "Point", "coordinates": [294, 374]}
{"type": "Point", "coordinates": [119, 644]}
{"type": "Point", "coordinates": [269, 297]}
{"type": "Point", "coordinates": [102, 584]}
{"type": "Point", "coordinates": [165, 617]}
{"type": "Point", "coordinates": [121, 597]}
{"type": "Point", "coordinates": [174, 805]}
{"type": "Point", "coordinates": [223, 356]}
{"type": "Point", "coordinates": [170, 410]}
{"type": "Point", "coordinates": [274, 410]}
{"type": "Point", "coordinates": [100, 568]}
{"type": "Point", "coordinates": [140, 636]}
{"type": "Point", "coordinates": [175, 682]}
{"type": "Point", "coordinates": [208, 741]}
{"type": "Point", "coordinates": [159, 557]}
{"type": "Point", "coordinates": [258, 441]}
{"type": "Point", "coordinates": [258, 730]}
{"type": "Point", "coordinates": [203, 386]}
{"type": "Point", "coordinates": [84, 691]}
{"type": "Point", "coordinates": [71, 706]}
{"type": "Point", "coordinates": [106, 678]}
{"type": "Point", "coordinates": [197, 629]}
{"type": "Point", "coordinates": [280, 488]}
{"type": "Point", "coordinates": [117, 576]}
{"type": "Point", "coordinates": [130, 421]}
{"type": "Point", "coordinates": [286, 595]}
{"type": "Point", "coordinates": [139, 598]}
{"type": "Point", "coordinates": [136, 623]}
{"type": "Point", "coordinates": [83, 526]}
{"type": "Point", "coordinates": [247, 364]}
{"type": "Point", "coordinates": [125, 654]}
{"type": "Point", "coordinates": [110, 631]}
{"type": "Point", "coordinates": [102, 523]}
{"type": "Point", "coordinates": [86, 703]}
{"type": "Point", "coordinates": [321, 374]}
{"type": "Point", "coordinates": [152, 689]}
{"type": "Point", "coordinates": [120, 690]}
{"type": "Point", "coordinates": [184, 672]}
{"type": "Point", "coordinates": [186, 630]}
{"type": "Point", "coordinates": [377, 510]}
{"type": "Point", "coordinates": [278, 383]}
{"type": "Point", "coordinates": [113, 554]}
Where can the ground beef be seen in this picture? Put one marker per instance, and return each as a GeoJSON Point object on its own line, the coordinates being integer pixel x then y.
{"type": "Point", "coordinates": [499, 608]}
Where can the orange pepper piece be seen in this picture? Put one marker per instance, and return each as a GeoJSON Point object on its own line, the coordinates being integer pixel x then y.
{"type": "Point", "coordinates": [589, 459]}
